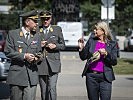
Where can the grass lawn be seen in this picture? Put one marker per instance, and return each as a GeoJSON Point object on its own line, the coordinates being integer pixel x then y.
{"type": "Point", "coordinates": [124, 66]}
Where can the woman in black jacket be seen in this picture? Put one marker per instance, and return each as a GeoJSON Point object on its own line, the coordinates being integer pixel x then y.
{"type": "Point", "coordinates": [100, 52]}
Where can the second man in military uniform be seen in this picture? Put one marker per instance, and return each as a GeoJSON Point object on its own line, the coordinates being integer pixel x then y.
{"type": "Point", "coordinates": [52, 43]}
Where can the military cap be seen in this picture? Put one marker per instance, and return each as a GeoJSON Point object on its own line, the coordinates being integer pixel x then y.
{"type": "Point", "coordinates": [32, 15]}
{"type": "Point", "coordinates": [45, 14]}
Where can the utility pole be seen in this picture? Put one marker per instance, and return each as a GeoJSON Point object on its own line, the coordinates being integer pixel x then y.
{"type": "Point", "coordinates": [108, 12]}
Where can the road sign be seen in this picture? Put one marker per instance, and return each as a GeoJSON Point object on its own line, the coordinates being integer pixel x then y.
{"type": "Point", "coordinates": [111, 13]}
{"type": "Point", "coordinates": [108, 3]}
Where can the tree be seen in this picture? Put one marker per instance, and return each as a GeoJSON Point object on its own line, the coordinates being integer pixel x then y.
{"type": "Point", "coordinates": [91, 10]}
{"type": "Point", "coordinates": [91, 13]}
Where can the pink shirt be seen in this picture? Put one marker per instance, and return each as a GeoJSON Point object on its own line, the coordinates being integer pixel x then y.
{"type": "Point", "coordinates": [98, 65]}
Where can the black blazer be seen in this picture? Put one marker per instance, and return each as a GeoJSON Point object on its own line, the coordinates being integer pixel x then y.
{"type": "Point", "coordinates": [109, 61]}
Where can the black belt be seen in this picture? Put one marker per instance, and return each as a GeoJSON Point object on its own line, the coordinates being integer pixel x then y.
{"type": "Point", "coordinates": [95, 72]}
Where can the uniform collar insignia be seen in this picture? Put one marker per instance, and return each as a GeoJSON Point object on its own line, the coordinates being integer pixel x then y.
{"type": "Point", "coordinates": [21, 33]}
{"type": "Point", "coordinates": [31, 35]}
{"type": "Point", "coordinates": [41, 29]}
{"type": "Point", "coordinates": [51, 29]}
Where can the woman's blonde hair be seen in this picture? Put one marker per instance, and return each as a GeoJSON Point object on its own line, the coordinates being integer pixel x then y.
{"type": "Point", "coordinates": [103, 26]}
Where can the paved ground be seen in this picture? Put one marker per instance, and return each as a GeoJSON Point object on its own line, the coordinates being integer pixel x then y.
{"type": "Point", "coordinates": [72, 87]}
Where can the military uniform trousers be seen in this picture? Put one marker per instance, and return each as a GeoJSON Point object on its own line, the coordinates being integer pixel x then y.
{"type": "Point", "coordinates": [48, 81]}
{"type": "Point", "coordinates": [23, 92]}
{"type": "Point", "coordinates": [48, 86]}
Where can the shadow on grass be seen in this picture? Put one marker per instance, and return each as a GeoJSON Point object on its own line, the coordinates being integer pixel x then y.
{"type": "Point", "coordinates": [128, 60]}
{"type": "Point", "coordinates": [129, 78]}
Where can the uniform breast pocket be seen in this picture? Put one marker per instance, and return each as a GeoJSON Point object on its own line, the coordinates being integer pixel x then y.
{"type": "Point", "coordinates": [34, 46]}
{"type": "Point", "coordinates": [53, 39]}
{"type": "Point", "coordinates": [15, 68]}
{"type": "Point", "coordinates": [19, 47]}
{"type": "Point", "coordinates": [56, 38]}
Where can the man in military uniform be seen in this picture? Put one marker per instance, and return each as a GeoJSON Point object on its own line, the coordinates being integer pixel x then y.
{"type": "Point", "coordinates": [52, 43]}
{"type": "Point", "coordinates": [21, 46]}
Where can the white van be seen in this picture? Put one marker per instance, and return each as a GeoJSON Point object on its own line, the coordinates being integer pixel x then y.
{"type": "Point", "coordinates": [72, 31]}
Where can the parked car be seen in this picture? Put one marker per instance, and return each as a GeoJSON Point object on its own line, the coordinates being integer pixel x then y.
{"type": "Point", "coordinates": [4, 66]}
{"type": "Point", "coordinates": [128, 42]}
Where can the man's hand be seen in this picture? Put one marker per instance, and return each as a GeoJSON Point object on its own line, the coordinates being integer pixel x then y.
{"type": "Point", "coordinates": [43, 43]}
{"type": "Point", "coordinates": [36, 59]}
{"type": "Point", "coordinates": [102, 51]}
{"type": "Point", "coordinates": [29, 57]}
{"type": "Point", "coordinates": [51, 46]}
{"type": "Point", "coordinates": [81, 44]}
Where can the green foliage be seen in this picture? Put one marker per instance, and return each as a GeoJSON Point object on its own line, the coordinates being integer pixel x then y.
{"type": "Point", "coordinates": [37, 5]}
{"type": "Point", "coordinates": [9, 22]}
{"type": "Point", "coordinates": [91, 10]}
{"type": "Point", "coordinates": [123, 14]}
{"type": "Point", "coordinates": [91, 13]}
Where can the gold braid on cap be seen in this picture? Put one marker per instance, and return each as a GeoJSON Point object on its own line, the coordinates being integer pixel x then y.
{"type": "Point", "coordinates": [34, 17]}
{"type": "Point", "coordinates": [45, 15]}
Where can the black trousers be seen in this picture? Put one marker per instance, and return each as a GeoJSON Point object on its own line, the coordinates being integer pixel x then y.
{"type": "Point", "coordinates": [98, 87]}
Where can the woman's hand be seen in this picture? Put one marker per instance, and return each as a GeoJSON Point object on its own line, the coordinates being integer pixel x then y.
{"type": "Point", "coordinates": [103, 51]}
{"type": "Point", "coordinates": [81, 44]}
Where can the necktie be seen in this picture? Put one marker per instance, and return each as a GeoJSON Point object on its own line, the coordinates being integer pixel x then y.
{"type": "Point", "coordinates": [46, 31]}
{"type": "Point", "coordinates": [27, 37]}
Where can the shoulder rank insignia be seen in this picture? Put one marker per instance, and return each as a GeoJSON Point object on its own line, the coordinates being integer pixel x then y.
{"type": "Point", "coordinates": [41, 29]}
{"type": "Point", "coordinates": [51, 29]}
{"type": "Point", "coordinates": [21, 33]}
